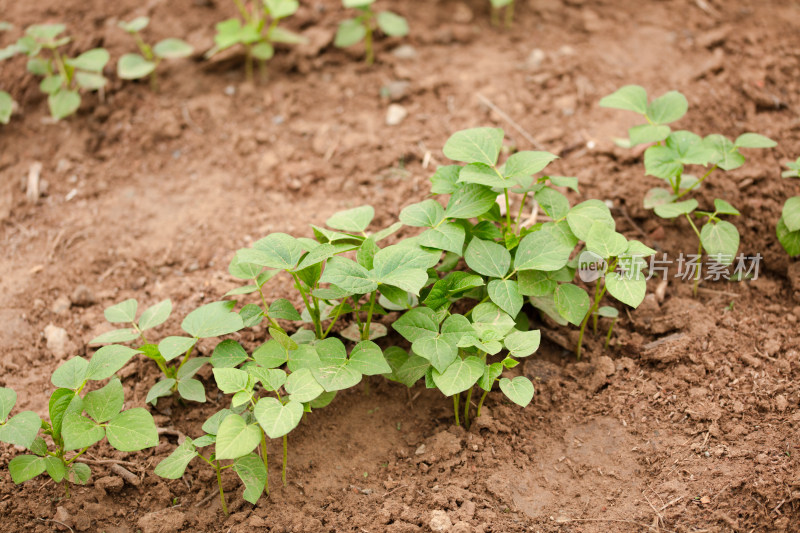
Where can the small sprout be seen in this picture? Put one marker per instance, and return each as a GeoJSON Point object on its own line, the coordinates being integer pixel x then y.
{"type": "Point", "coordinates": [361, 28]}
{"type": "Point", "coordinates": [138, 66]}
{"type": "Point", "coordinates": [63, 77]}
{"type": "Point", "coordinates": [668, 155]}
{"type": "Point", "coordinates": [6, 107]}
{"type": "Point", "coordinates": [788, 229]}
{"type": "Point", "coordinates": [257, 30]}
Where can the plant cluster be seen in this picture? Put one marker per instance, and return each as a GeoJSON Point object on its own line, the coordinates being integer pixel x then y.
{"type": "Point", "coordinates": [63, 77]}
{"type": "Point", "coordinates": [353, 31]}
{"type": "Point", "coordinates": [145, 63]}
{"type": "Point", "coordinates": [257, 30]}
{"type": "Point", "coordinates": [667, 157]}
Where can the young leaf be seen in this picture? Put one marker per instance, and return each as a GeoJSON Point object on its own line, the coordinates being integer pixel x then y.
{"type": "Point", "coordinates": [572, 303]}
{"type": "Point", "coordinates": [583, 216]}
{"type": "Point", "coordinates": [174, 466]}
{"type": "Point", "coordinates": [253, 473]}
{"type": "Point", "coordinates": [505, 293]}
{"type": "Point", "coordinates": [726, 155]}
{"type": "Point", "coordinates": [25, 467]}
{"type": "Point", "coordinates": [271, 378]}
{"type": "Point", "coordinates": [477, 145]}
{"type": "Point", "coordinates": [353, 220]}
{"type": "Point", "coordinates": [674, 210]}
{"type": "Point", "coordinates": [277, 419]}
{"type": "Point", "coordinates": [55, 468]}
{"type": "Point", "coordinates": [283, 309]}
{"type": "Point", "coordinates": [135, 25]}
{"type": "Point", "coordinates": [302, 387]}
{"type": "Point", "coordinates": [134, 67]}
{"type": "Point", "coordinates": [647, 133]}
{"type": "Point", "coordinates": [391, 24]}
{"type": "Point", "coordinates": [80, 432]}
{"type": "Point", "coordinates": [6, 104]}
{"type": "Point", "coordinates": [367, 358]}
{"type": "Point", "coordinates": [724, 208]}
{"type": "Point", "coordinates": [791, 213]}
{"type": "Point", "coordinates": [554, 204]}
{"type": "Point", "coordinates": [448, 237]}
{"type": "Point", "coordinates": [523, 164]}
{"type": "Point", "coordinates": [105, 403]}
{"type": "Point", "coordinates": [545, 250]}
{"type": "Point", "coordinates": [487, 258]}
{"type": "Point", "coordinates": [754, 140]}
{"type": "Point", "coordinates": [416, 324]}
{"type": "Point", "coordinates": [270, 354]}
{"type": "Point", "coordinates": [122, 312]}
{"type": "Point", "coordinates": [790, 240]}
{"type": "Point", "coordinates": [172, 347]}
{"type": "Point", "coordinates": [231, 380]}
{"type": "Point", "coordinates": [630, 98]}
{"type": "Point", "coordinates": [8, 398]}
{"type": "Point", "coordinates": [277, 250]}
{"type": "Point", "coordinates": [116, 335]}
{"type": "Point", "coordinates": [212, 424]}
{"type": "Point", "coordinates": [667, 108]}
{"type": "Point", "coordinates": [519, 390]}
{"type": "Point", "coordinates": [236, 438]}
{"type": "Point", "coordinates": [488, 318]}
{"type": "Point", "coordinates": [334, 377]}
{"type": "Point", "coordinates": [80, 473]}
{"type": "Point", "coordinates": [403, 267]}
{"type": "Point", "coordinates": [721, 241]}
{"type": "Point", "coordinates": [71, 374]}
{"type": "Point", "coordinates": [172, 48]}
{"type": "Point", "coordinates": [132, 430]}
{"type": "Point", "coordinates": [349, 32]}
{"type": "Point", "coordinates": [92, 60]}
{"type": "Point", "coordinates": [108, 360]}
{"type": "Point", "coordinates": [426, 214]}
{"type": "Point", "coordinates": [459, 376]}
{"type": "Point", "coordinates": [348, 276]}
{"type": "Point", "coordinates": [212, 320]}
{"type": "Point", "coordinates": [228, 354]}
{"type": "Point", "coordinates": [160, 389]}
{"type": "Point", "coordinates": [605, 242]}
{"type": "Point", "coordinates": [608, 312]}
{"type": "Point", "coordinates": [192, 389]}
{"type": "Point", "coordinates": [522, 343]}
{"type": "Point", "coordinates": [626, 289]}
{"type": "Point", "coordinates": [21, 430]}
{"type": "Point", "coordinates": [437, 350]}
{"type": "Point", "coordinates": [470, 201]}
{"type": "Point", "coordinates": [155, 315]}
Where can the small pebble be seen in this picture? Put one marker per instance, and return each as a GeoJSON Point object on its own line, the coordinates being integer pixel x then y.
{"type": "Point", "coordinates": [395, 114]}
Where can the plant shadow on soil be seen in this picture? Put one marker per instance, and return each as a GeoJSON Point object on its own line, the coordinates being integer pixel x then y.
{"type": "Point", "coordinates": [689, 422]}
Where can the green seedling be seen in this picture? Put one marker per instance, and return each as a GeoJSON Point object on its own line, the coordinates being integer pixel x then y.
{"type": "Point", "coordinates": [248, 467]}
{"type": "Point", "coordinates": [497, 6]}
{"type": "Point", "coordinates": [257, 30]}
{"type": "Point", "coordinates": [671, 151]}
{"type": "Point", "coordinates": [69, 434]}
{"type": "Point", "coordinates": [144, 64]}
{"type": "Point", "coordinates": [361, 28]}
{"type": "Point", "coordinates": [210, 320]}
{"type": "Point", "coordinates": [63, 77]}
{"type": "Point", "coordinates": [788, 229]}
{"type": "Point", "coordinates": [6, 107]}
{"type": "Point", "coordinates": [606, 312]}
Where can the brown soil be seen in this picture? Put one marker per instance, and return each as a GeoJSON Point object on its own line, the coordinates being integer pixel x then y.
{"type": "Point", "coordinates": [700, 432]}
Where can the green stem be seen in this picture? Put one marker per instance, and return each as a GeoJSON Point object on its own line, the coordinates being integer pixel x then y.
{"type": "Point", "coordinates": [335, 318]}
{"type": "Point", "coordinates": [313, 312]}
{"type": "Point", "coordinates": [466, 408]}
{"type": "Point", "coordinates": [285, 458]}
{"type": "Point", "coordinates": [368, 40]}
{"type": "Point", "coordinates": [67, 463]}
{"type": "Point", "coordinates": [510, 14]}
{"type": "Point", "coordinates": [598, 296]}
{"type": "Point", "coordinates": [521, 207]}
{"type": "Point", "coordinates": [368, 323]}
{"type": "Point", "coordinates": [245, 14]}
{"type": "Point", "coordinates": [608, 337]}
{"type": "Point", "coordinates": [480, 403]}
{"type": "Point", "coordinates": [265, 459]}
{"type": "Point", "coordinates": [594, 315]}
{"type": "Point", "coordinates": [266, 307]}
{"type": "Point", "coordinates": [221, 490]}
{"type": "Point", "coordinates": [185, 358]}
{"type": "Point", "coordinates": [508, 210]}
{"type": "Point", "coordinates": [697, 183]}
{"type": "Point", "coordinates": [455, 407]}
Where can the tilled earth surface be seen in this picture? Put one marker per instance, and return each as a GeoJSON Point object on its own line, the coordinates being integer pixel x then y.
{"type": "Point", "coordinates": [689, 422]}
